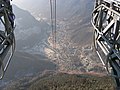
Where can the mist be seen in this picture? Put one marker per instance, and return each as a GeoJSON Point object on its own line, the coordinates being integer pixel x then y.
{"type": "Point", "coordinates": [35, 53]}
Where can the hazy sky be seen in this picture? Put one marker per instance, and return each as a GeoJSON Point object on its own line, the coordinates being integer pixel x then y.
{"type": "Point", "coordinates": [18, 2]}
{"type": "Point", "coordinates": [28, 4]}
{"type": "Point", "coordinates": [22, 3]}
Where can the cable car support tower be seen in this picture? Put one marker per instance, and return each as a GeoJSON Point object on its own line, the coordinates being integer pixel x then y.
{"type": "Point", "coordinates": [7, 39]}
{"type": "Point", "coordinates": [106, 23]}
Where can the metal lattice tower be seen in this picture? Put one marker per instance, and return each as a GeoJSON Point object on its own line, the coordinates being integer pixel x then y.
{"type": "Point", "coordinates": [106, 22]}
{"type": "Point", "coordinates": [7, 39]}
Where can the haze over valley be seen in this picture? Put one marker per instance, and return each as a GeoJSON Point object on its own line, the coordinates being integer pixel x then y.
{"type": "Point", "coordinates": [35, 54]}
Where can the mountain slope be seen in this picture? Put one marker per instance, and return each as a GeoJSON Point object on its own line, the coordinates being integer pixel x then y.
{"type": "Point", "coordinates": [74, 52]}
{"type": "Point", "coordinates": [61, 81]}
{"type": "Point", "coordinates": [26, 65]}
{"type": "Point", "coordinates": [74, 38]}
{"type": "Point", "coordinates": [74, 49]}
{"type": "Point", "coordinates": [29, 32]}
{"type": "Point", "coordinates": [65, 8]}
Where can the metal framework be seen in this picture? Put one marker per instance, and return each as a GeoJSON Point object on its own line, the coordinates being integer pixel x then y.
{"type": "Point", "coordinates": [7, 39]}
{"type": "Point", "coordinates": [106, 22]}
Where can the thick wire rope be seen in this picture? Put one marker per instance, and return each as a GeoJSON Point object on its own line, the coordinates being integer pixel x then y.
{"type": "Point", "coordinates": [53, 21]}
{"type": "Point", "coordinates": [51, 13]}
{"type": "Point", "coordinates": [55, 25]}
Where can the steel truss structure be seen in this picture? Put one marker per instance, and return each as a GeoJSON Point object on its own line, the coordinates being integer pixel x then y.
{"type": "Point", "coordinates": [7, 39]}
{"type": "Point", "coordinates": [106, 23]}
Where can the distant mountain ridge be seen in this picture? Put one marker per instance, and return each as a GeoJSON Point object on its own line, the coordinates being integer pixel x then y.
{"type": "Point", "coordinates": [29, 32]}
{"type": "Point", "coordinates": [65, 8]}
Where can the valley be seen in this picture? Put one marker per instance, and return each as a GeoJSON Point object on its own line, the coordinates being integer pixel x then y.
{"type": "Point", "coordinates": [36, 60]}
